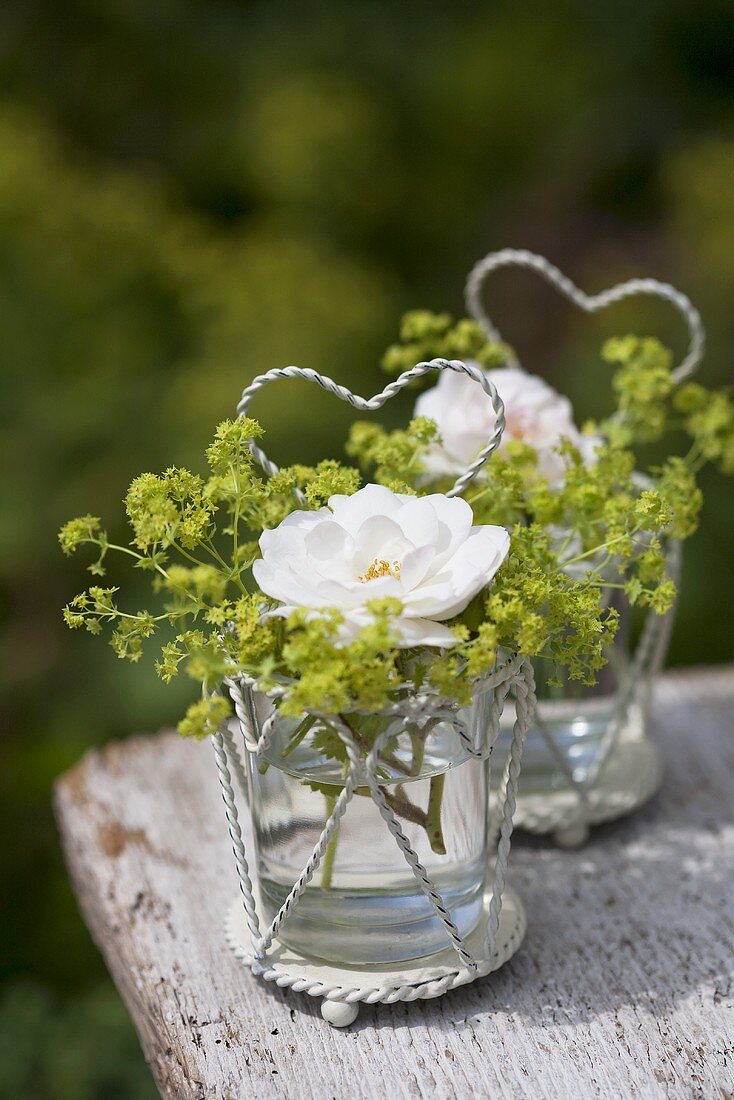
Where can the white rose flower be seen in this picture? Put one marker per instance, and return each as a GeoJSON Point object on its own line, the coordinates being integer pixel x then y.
{"type": "Point", "coordinates": [534, 411]}
{"type": "Point", "coordinates": [422, 550]}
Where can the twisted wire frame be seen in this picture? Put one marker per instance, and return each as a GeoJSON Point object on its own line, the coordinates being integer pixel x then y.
{"type": "Point", "coordinates": [652, 645]}
{"type": "Point", "coordinates": [515, 674]}
{"type": "Point", "coordinates": [371, 404]}
{"type": "Point", "coordinates": [589, 303]}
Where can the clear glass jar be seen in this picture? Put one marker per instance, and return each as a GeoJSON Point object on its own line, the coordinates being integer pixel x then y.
{"type": "Point", "coordinates": [580, 719]}
{"type": "Point", "coordinates": [364, 904]}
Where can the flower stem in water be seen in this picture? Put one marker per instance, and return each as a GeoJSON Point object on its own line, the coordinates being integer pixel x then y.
{"type": "Point", "coordinates": [403, 807]}
{"type": "Point", "coordinates": [418, 745]}
{"type": "Point", "coordinates": [433, 815]}
{"type": "Point", "coordinates": [327, 867]}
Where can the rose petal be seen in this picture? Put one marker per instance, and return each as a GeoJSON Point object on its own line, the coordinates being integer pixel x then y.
{"type": "Point", "coordinates": [415, 566]}
{"type": "Point", "coordinates": [379, 538]}
{"type": "Point", "coordinates": [469, 570]}
{"type": "Point", "coordinates": [372, 500]}
{"type": "Point", "coordinates": [331, 550]}
{"type": "Point", "coordinates": [292, 528]}
{"type": "Point", "coordinates": [408, 632]}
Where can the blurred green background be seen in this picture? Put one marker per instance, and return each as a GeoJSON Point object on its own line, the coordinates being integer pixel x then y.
{"type": "Point", "coordinates": [194, 192]}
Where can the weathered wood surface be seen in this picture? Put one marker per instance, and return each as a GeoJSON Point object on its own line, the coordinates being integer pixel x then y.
{"type": "Point", "coordinates": [623, 987]}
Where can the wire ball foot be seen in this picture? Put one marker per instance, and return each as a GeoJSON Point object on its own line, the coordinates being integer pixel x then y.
{"type": "Point", "coordinates": [339, 1014]}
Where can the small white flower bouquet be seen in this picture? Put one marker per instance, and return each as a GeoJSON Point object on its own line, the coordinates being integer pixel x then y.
{"type": "Point", "coordinates": [369, 620]}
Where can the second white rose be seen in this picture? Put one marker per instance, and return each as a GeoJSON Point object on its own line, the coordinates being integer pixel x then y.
{"type": "Point", "coordinates": [535, 414]}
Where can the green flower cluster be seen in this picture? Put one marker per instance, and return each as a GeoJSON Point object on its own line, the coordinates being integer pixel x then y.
{"type": "Point", "coordinates": [425, 335]}
{"type": "Point", "coordinates": [651, 404]}
{"type": "Point", "coordinates": [197, 536]}
{"type": "Point", "coordinates": [396, 457]}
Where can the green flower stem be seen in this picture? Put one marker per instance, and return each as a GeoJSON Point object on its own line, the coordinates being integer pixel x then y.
{"type": "Point", "coordinates": [139, 616]}
{"type": "Point", "coordinates": [231, 573]}
{"type": "Point", "coordinates": [185, 554]}
{"type": "Point", "coordinates": [418, 744]}
{"type": "Point", "coordinates": [235, 514]}
{"type": "Point", "coordinates": [400, 805]}
{"type": "Point", "coordinates": [433, 815]}
{"type": "Point", "coordinates": [327, 868]}
{"type": "Point", "coordinates": [598, 549]}
{"type": "Point", "coordinates": [482, 493]}
{"type": "Point", "coordinates": [403, 807]}
{"type": "Point", "coordinates": [133, 554]}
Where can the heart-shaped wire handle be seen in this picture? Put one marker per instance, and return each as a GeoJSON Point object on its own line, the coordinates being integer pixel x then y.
{"type": "Point", "coordinates": [370, 404]}
{"type": "Point", "coordinates": [589, 303]}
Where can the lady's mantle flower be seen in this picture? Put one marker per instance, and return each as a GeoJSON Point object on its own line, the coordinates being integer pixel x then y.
{"type": "Point", "coordinates": [423, 551]}
{"type": "Point", "coordinates": [534, 412]}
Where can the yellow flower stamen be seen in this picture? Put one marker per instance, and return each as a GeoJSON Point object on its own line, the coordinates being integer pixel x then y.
{"type": "Point", "coordinates": [381, 568]}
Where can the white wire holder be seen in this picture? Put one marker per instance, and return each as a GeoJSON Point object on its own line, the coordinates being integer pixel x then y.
{"type": "Point", "coordinates": [501, 936]}
{"type": "Point", "coordinates": [654, 639]}
{"type": "Point", "coordinates": [466, 958]}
